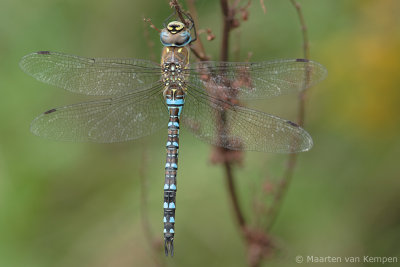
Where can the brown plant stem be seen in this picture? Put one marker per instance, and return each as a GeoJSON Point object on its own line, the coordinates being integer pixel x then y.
{"type": "Point", "coordinates": [197, 48]}
{"type": "Point", "coordinates": [233, 195]}
{"type": "Point", "coordinates": [226, 12]}
{"type": "Point", "coordinates": [227, 20]}
{"type": "Point", "coordinates": [150, 43]}
{"type": "Point", "coordinates": [292, 160]}
{"type": "Point", "coordinates": [178, 8]}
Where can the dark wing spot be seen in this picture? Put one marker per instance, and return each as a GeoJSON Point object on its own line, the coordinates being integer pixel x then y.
{"type": "Point", "coordinates": [292, 123]}
{"type": "Point", "coordinates": [50, 111]}
{"type": "Point", "coordinates": [302, 60]}
{"type": "Point", "coordinates": [44, 52]}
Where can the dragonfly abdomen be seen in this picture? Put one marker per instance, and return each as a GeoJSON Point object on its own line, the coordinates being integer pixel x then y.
{"type": "Point", "coordinates": [175, 100]}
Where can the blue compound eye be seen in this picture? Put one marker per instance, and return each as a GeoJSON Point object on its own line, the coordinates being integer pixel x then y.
{"type": "Point", "coordinates": [182, 39]}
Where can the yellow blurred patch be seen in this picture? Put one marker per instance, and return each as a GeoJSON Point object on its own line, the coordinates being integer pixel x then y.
{"type": "Point", "coordinates": [365, 72]}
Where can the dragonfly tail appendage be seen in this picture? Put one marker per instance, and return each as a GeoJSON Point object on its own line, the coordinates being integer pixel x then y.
{"type": "Point", "coordinates": [169, 246]}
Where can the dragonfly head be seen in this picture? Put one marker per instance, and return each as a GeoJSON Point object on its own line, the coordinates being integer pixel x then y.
{"type": "Point", "coordinates": [175, 34]}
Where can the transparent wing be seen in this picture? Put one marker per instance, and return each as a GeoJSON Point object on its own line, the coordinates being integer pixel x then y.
{"type": "Point", "coordinates": [238, 128]}
{"type": "Point", "coordinates": [109, 120]}
{"type": "Point", "coordinates": [91, 76]}
{"type": "Point", "coordinates": [246, 80]}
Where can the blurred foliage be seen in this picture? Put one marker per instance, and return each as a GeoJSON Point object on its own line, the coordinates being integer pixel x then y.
{"type": "Point", "coordinates": [67, 204]}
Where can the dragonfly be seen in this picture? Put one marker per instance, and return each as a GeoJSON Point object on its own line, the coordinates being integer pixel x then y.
{"type": "Point", "coordinates": [142, 97]}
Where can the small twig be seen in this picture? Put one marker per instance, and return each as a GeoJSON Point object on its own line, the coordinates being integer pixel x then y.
{"type": "Point", "coordinates": [228, 163]}
{"type": "Point", "coordinates": [247, 5]}
{"type": "Point", "coordinates": [208, 32]}
{"type": "Point", "coordinates": [263, 6]}
{"type": "Point", "coordinates": [148, 20]}
{"type": "Point", "coordinates": [232, 192]}
{"type": "Point", "coordinates": [150, 43]}
{"type": "Point", "coordinates": [178, 8]}
{"type": "Point", "coordinates": [197, 47]}
{"type": "Point", "coordinates": [227, 23]}
{"type": "Point", "coordinates": [249, 55]}
{"type": "Point", "coordinates": [306, 44]}
{"type": "Point", "coordinates": [292, 160]}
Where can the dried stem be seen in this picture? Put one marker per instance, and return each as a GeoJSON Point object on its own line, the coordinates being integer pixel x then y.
{"type": "Point", "coordinates": [263, 6]}
{"type": "Point", "coordinates": [233, 195]}
{"type": "Point", "coordinates": [148, 20]}
{"type": "Point", "coordinates": [292, 160]}
{"type": "Point", "coordinates": [227, 21]}
{"type": "Point", "coordinates": [178, 8]}
{"type": "Point", "coordinates": [227, 17]}
{"type": "Point", "coordinates": [197, 48]}
{"type": "Point", "coordinates": [149, 42]}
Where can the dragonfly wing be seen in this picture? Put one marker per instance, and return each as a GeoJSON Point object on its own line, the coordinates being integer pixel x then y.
{"type": "Point", "coordinates": [246, 80]}
{"type": "Point", "coordinates": [238, 128]}
{"type": "Point", "coordinates": [91, 76]}
{"type": "Point", "coordinates": [109, 120]}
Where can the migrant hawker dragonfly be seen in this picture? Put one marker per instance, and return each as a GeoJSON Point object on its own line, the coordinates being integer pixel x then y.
{"type": "Point", "coordinates": [144, 97]}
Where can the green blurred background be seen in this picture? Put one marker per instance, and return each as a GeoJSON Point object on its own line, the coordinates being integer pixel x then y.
{"type": "Point", "coordinates": [69, 204]}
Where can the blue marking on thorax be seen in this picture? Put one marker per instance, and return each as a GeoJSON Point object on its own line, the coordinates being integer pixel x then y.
{"type": "Point", "coordinates": [175, 101]}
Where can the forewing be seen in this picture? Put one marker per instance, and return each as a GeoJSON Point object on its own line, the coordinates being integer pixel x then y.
{"type": "Point", "coordinates": [109, 120]}
{"type": "Point", "coordinates": [246, 80]}
{"type": "Point", "coordinates": [91, 76]}
{"type": "Point", "coordinates": [238, 128]}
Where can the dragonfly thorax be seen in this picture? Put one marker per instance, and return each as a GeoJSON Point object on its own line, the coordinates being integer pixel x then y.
{"type": "Point", "coordinates": [172, 74]}
{"type": "Point", "coordinates": [174, 92]}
